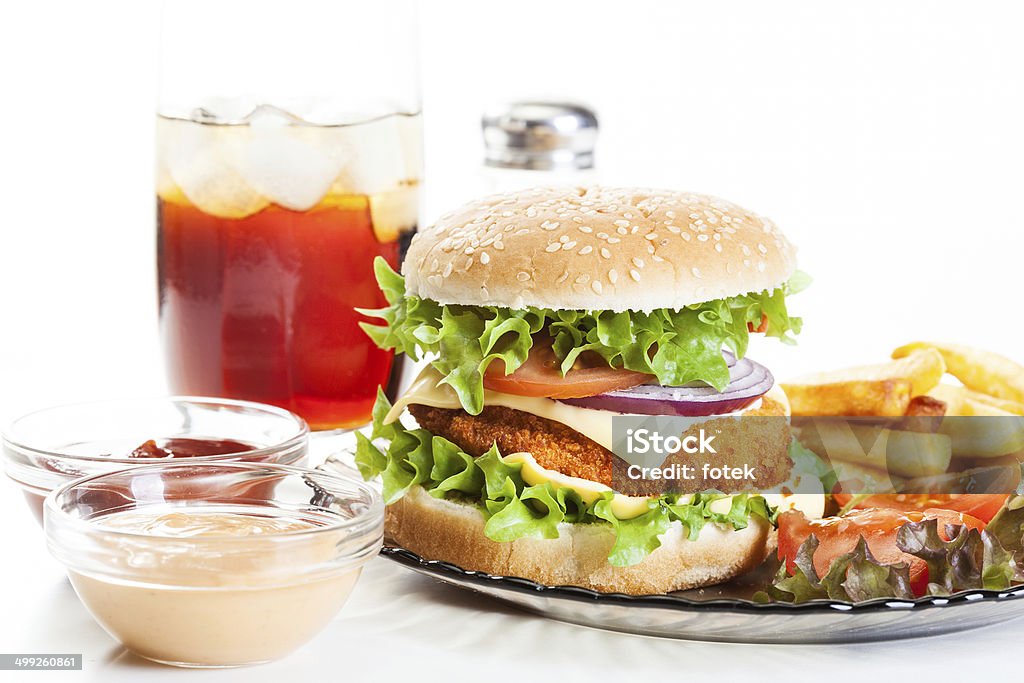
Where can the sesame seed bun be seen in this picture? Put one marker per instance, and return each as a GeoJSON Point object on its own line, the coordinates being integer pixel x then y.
{"type": "Point", "coordinates": [451, 531]}
{"type": "Point", "coordinates": [598, 248]}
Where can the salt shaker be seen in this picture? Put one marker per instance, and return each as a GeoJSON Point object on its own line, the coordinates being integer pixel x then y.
{"type": "Point", "coordinates": [530, 143]}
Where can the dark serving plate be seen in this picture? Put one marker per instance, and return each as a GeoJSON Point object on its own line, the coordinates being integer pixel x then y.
{"type": "Point", "coordinates": [726, 613]}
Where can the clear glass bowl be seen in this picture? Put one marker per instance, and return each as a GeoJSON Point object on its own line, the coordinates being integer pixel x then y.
{"type": "Point", "coordinates": [49, 448]}
{"type": "Point", "coordinates": [214, 564]}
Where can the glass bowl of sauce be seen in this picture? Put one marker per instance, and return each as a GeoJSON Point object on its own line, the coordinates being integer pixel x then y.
{"type": "Point", "coordinates": [49, 448]}
{"type": "Point", "coordinates": [231, 564]}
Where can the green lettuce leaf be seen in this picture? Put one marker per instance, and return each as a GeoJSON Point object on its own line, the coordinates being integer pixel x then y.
{"type": "Point", "coordinates": [676, 346]}
{"type": "Point", "coordinates": [512, 508]}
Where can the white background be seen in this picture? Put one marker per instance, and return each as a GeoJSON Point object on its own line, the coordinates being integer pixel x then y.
{"type": "Point", "coordinates": [885, 138]}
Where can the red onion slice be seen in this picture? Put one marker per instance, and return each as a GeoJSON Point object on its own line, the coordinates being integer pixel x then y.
{"type": "Point", "coordinates": [748, 381]}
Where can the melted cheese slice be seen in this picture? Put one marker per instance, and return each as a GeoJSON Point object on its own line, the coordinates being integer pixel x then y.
{"type": "Point", "coordinates": [623, 507]}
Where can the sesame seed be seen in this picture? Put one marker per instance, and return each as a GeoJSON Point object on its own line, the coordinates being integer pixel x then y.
{"type": "Point", "coordinates": [670, 214]}
{"type": "Point", "coordinates": [531, 212]}
{"type": "Point", "coordinates": [563, 239]}
{"type": "Point", "coordinates": [746, 249]}
{"type": "Point", "coordinates": [702, 237]}
{"type": "Point", "coordinates": [553, 247]}
{"type": "Point", "coordinates": [658, 259]}
{"type": "Point", "coordinates": [522, 276]}
{"type": "Point", "coordinates": [746, 262]}
{"type": "Point", "coordinates": [434, 280]}
{"type": "Point", "coordinates": [613, 240]}
{"type": "Point", "coordinates": [499, 245]}
{"type": "Point", "coordinates": [627, 215]}
{"type": "Point", "coordinates": [586, 228]}
{"type": "Point", "coordinates": [685, 236]}
{"type": "Point", "coordinates": [596, 286]}
{"type": "Point", "coordinates": [469, 263]}
{"type": "Point", "coordinates": [485, 258]}
{"type": "Point", "coordinates": [763, 249]}
{"type": "Point", "coordinates": [563, 277]}
{"type": "Point", "coordinates": [696, 272]}
{"type": "Point", "coordinates": [622, 231]}
{"type": "Point", "coordinates": [602, 235]}
{"type": "Point", "coordinates": [760, 266]}
{"type": "Point", "coordinates": [717, 237]}
{"type": "Point", "coordinates": [586, 250]}
{"type": "Point", "coordinates": [718, 247]}
{"type": "Point", "coordinates": [577, 219]}
{"type": "Point", "coordinates": [582, 279]}
{"type": "Point", "coordinates": [568, 245]}
{"type": "Point", "coordinates": [621, 223]}
{"type": "Point", "coordinates": [650, 248]}
{"type": "Point", "coordinates": [605, 253]}
{"type": "Point", "coordinates": [674, 229]}
{"type": "Point", "coordinates": [613, 276]}
{"type": "Point", "coordinates": [638, 262]}
{"type": "Point", "coordinates": [434, 265]}
{"type": "Point", "coordinates": [550, 225]}
{"type": "Point", "coordinates": [469, 250]}
{"type": "Point", "coordinates": [651, 236]}
{"type": "Point", "coordinates": [448, 269]}
{"type": "Point", "coordinates": [506, 214]}
{"type": "Point", "coordinates": [635, 274]}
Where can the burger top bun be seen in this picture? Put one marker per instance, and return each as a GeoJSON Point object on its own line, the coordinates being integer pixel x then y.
{"type": "Point", "coordinates": [596, 248]}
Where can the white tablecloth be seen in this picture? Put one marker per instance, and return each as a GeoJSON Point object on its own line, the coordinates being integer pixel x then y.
{"type": "Point", "coordinates": [400, 626]}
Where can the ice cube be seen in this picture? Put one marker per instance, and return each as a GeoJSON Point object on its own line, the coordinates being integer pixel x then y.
{"type": "Point", "coordinates": [394, 212]}
{"type": "Point", "coordinates": [197, 159]}
{"type": "Point", "coordinates": [378, 161]}
{"type": "Point", "coordinates": [292, 165]}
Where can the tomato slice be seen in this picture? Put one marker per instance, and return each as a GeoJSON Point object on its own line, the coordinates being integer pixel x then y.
{"type": "Point", "coordinates": [984, 506]}
{"type": "Point", "coordinates": [540, 375]}
{"type": "Point", "coordinates": [839, 535]}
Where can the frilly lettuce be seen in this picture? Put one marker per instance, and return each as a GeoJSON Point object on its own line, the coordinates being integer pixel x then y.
{"type": "Point", "coordinates": [512, 508]}
{"type": "Point", "coordinates": [676, 346]}
{"type": "Point", "coordinates": [992, 559]}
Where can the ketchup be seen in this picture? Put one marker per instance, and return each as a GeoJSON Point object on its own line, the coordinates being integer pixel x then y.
{"type": "Point", "coordinates": [185, 447]}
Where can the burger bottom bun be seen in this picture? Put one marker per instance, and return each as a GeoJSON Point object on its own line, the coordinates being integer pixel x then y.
{"type": "Point", "coordinates": [453, 532]}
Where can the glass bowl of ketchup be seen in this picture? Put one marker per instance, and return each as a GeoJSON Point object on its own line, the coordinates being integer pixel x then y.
{"type": "Point", "coordinates": [49, 448]}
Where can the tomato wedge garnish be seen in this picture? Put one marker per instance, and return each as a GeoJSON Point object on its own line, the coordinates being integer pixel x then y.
{"type": "Point", "coordinates": [984, 506]}
{"type": "Point", "coordinates": [540, 375]}
{"type": "Point", "coordinates": [839, 535]}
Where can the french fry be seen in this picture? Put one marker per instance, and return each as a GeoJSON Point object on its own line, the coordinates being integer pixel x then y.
{"type": "Point", "coordinates": [886, 398]}
{"type": "Point", "coordinates": [963, 401]}
{"type": "Point", "coordinates": [984, 436]}
{"type": "Point", "coordinates": [859, 479]}
{"type": "Point", "coordinates": [905, 454]}
{"type": "Point", "coordinates": [924, 414]}
{"type": "Point", "coordinates": [979, 370]}
{"type": "Point", "coordinates": [884, 389]}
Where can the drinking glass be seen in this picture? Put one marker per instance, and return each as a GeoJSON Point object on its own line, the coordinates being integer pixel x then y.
{"type": "Point", "coordinates": [288, 159]}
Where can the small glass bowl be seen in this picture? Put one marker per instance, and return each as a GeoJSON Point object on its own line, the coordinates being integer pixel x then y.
{"type": "Point", "coordinates": [177, 562]}
{"type": "Point", "coordinates": [49, 448]}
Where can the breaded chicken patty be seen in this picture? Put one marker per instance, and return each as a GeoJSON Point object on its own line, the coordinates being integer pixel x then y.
{"type": "Point", "coordinates": [558, 447]}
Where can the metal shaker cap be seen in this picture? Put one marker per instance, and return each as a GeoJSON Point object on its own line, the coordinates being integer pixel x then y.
{"type": "Point", "coordinates": [541, 136]}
